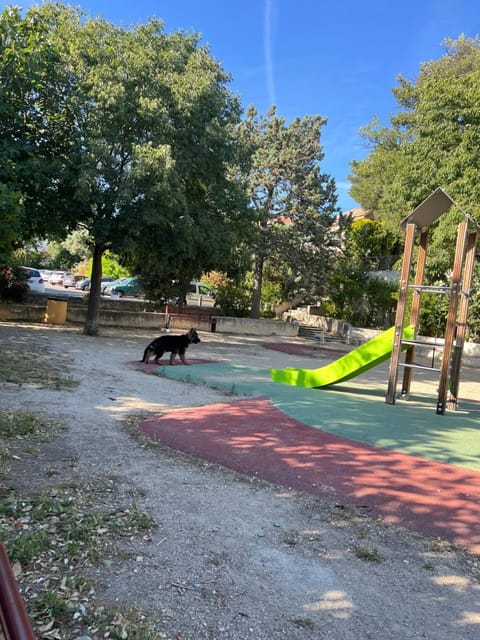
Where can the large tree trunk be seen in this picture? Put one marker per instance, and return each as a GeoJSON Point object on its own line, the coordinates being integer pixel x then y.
{"type": "Point", "coordinates": [257, 285]}
{"type": "Point", "coordinates": [91, 322]}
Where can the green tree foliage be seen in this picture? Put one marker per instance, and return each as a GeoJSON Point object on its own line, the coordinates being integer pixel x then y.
{"type": "Point", "coordinates": [370, 245]}
{"type": "Point", "coordinates": [357, 294]}
{"type": "Point", "coordinates": [474, 309]}
{"type": "Point", "coordinates": [149, 135]}
{"type": "Point", "coordinates": [57, 257]}
{"type": "Point", "coordinates": [66, 254]}
{"type": "Point", "coordinates": [77, 244]}
{"type": "Point", "coordinates": [433, 141]}
{"type": "Point", "coordinates": [292, 202]}
{"type": "Point", "coordinates": [359, 297]}
{"type": "Point", "coordinates": [155, 115]}
{"type": "Point", "coordinates": [37, 133]}
{"type": "Point", "coordinates": [110, 267]}
{"type": "Point", "coordinates": [191, 220]}
{"type": "Point", "coordinates": [10, 221]}
{"type": "Point", "coordinates": [232, 295]}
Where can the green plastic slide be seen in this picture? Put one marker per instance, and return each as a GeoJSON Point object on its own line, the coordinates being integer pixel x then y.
{"type": "Point", "coordinates": [366, 356]}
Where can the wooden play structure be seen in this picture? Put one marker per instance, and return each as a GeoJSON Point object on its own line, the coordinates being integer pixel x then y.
{"type": "Point", "coordinates": [416, 226]}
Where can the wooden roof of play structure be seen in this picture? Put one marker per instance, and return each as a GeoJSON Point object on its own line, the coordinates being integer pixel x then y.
{"type": "Point", "coordinates": [458, 291]}
{"type": "Point", "coordinates": [429, 210]}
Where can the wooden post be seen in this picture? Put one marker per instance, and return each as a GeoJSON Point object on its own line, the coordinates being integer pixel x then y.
{"type": "Point", "coordinates": [400, 315]}
{"type": "Point", "coordinates": [419, 275]}
{"type": "Point", "coordinates": [462, 319]}
{"type": "Point", "coordinates": [450, 329]}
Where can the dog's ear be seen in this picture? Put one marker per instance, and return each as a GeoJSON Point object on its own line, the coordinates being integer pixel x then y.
{"type": "Point", "coordinates": [193, 336]}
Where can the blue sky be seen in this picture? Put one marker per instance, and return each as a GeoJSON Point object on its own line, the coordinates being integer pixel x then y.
{"type": "Point", "coordinates": [338, 59]}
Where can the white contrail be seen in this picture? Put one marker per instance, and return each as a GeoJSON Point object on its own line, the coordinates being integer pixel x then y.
{"type": "Point", "coordinates": [268, 52]}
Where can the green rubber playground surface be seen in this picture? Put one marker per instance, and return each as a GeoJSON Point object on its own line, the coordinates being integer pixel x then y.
{"type": "Point", "coordinates": [355, 410]}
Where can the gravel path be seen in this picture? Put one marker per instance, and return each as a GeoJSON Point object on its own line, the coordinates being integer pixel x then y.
{"type": "Point", "coordinates": [232, 558]}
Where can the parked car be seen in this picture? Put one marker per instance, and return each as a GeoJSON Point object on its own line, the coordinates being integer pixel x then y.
{"type": "Point", "coordinates": [34, 279]}
{"type": "Point", "coordinates": [128, 287]}
{"type": "Point", "coordinates": [46, 273]}
{"type": "Point", "coordinates": [106, 287]}
{"type": "Point", "coordinates": [56, 277]}
{"type": "Point", "coordinates": [70, 280]}
{"type": "Point", "coordinates": [84, 285]}
{"type": "Point", "coordinates": [199, 295]}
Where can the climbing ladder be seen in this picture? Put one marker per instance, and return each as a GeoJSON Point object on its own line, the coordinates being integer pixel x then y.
{"type": "Point", "coordinates": [458, 291]}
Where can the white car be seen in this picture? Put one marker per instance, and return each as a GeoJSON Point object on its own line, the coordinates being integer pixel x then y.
{"type": "Point", "coordinates": [199, 295]}
{"type": "Point", "coordinates": [34, 279]}
{"type": "Point", "coordinates": [56, 277]}
{"type": "Point", "coordinates": [46, 273]}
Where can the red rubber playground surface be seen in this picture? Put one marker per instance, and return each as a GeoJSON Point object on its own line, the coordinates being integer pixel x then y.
{"type": "Point", "coordinates": [254, 437]}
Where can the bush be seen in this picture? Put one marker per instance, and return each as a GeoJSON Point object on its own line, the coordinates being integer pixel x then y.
{"type": "Point", "coordinates": [362, 301]}
{"type": "Point", "coordinates": [380, 303]}
{"type": "Point", "coordinates": [433, 314]}
{"type": "Point", "coordinates": [232, 299]}
{"type": "Point", "coordinates": [13, 286]}
{"type": "Point", "coordinates": [474, 317]}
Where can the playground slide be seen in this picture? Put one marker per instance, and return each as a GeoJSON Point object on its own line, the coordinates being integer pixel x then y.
{"type": "Point", "coordinates": [366, 356]}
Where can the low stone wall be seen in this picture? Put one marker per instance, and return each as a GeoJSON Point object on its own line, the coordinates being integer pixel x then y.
{"type": "Point", "coordinates": [249, 326]}
{"type": "Point", "coordinates": [21, 313]}
{"type": "Point", "coordinates": [116, 316]}
{"type": "Point", "coordinates": [311, 317]}
{"type": "Point", "coordinates": [125, 319]}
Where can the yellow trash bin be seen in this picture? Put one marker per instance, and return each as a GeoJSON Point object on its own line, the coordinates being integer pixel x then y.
{"type": "Point", "coordinates": [56, 311]}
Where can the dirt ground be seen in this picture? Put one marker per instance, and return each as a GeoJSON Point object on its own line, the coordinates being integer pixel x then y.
{"type": "Point", "coordinates": [231, 557]}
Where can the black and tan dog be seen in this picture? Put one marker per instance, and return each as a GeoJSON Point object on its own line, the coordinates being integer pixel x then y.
{"type": "Point", "coordinates": [174, 344]}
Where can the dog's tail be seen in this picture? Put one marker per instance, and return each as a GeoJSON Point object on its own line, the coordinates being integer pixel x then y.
{"type": "Point", "coordinates": [144, 359]}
